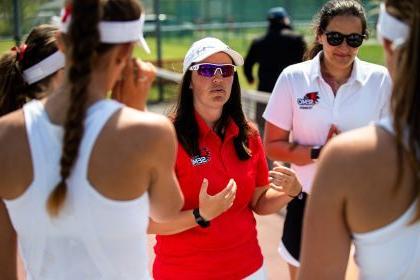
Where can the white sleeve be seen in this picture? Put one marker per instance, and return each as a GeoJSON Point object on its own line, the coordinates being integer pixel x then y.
{"type": "Point", "coordinates": [386, 90]}
{"type": "Point", "coordinates": [279, 110]}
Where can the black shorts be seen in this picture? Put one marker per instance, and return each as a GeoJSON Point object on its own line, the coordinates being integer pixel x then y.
{"type": "Point", "coordinates": [292, 231]}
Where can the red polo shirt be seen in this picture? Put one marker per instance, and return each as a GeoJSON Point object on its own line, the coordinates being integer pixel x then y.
{"type": "Point", "coordinates": [228, 248]}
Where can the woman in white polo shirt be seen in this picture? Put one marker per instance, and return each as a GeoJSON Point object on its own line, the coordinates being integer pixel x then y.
{"type": "Point", "coordinates": [312, 101]}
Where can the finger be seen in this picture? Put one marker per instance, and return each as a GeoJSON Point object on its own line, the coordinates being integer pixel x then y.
{"type": "Point", "coordinates": [277, 163]}
{"type": "Point", "coordinates": [231, 194]}
{"type": "Point", "coordinates": [231, 186]}
{"type": "Point", "coordinates": [276, 187]}
{"type": "Point", "coordinates": [204, 187]}
{"type": "Point", "coordinates": [284, 170]}
{"type": "Point", "coordinates": [278, 181]}
{"type": "Point", "coordinates": [147, 71]}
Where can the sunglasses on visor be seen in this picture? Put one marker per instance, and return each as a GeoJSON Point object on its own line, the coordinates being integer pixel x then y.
{"type": "Point", "coordinates": [209, 69]}
{"type": "Point", "coordinates": [354, 40]}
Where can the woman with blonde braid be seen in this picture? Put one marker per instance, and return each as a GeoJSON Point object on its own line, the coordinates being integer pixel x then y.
{"type": "Point", "coordinates": [79, 170]}
{"type": "Point", "coordinates": [367, 189]}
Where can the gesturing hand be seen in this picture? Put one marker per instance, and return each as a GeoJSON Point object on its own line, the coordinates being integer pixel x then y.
{"type": "Point", "coordinates": [134, 86]}
{"type": "Point", "coordinates": [213, 206]}
{"type": "Point", "coordinates": [284, 179]}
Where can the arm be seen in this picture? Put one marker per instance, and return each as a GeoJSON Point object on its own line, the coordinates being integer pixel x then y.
{"type": "Point", "coordinates": [210, 207]}
{"type": "Point", "coordinates": [278, 147]}
{"type": "Point", "coordinates": [165, 195]}
{"type": "Point", "coordinates": [279, 122]}
{"type": "Point", "coordinates": [249, 62]}
{"type": "Point", "coordinates": [325, 228]}
{"type": "Point", "coordinates": [283, 187]}
{"type": "Point", "coordinates": [8, 245]}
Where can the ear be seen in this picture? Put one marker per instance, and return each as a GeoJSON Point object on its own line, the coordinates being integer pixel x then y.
{"type": "Point", "coordinates": [319, 39]}
{"type": "Point", "coordinates": [59, 41]}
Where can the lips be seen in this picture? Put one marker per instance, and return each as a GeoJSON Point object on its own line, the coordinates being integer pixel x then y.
{"type": "Point", "coordinates": [217, 90]}
{"type": "Point", "coordinates": [341, 55]}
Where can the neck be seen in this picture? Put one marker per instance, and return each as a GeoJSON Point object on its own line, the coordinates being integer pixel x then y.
{"type": "Point", "coordinates": [209, 116]}
{"type": "Point", "coordinates": [57, 103]}
{"type": "Point", "coordinates": [333, 73]}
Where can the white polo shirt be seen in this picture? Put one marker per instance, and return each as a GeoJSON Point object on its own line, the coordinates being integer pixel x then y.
{"type": "Point", "coordinates": [303, 103]}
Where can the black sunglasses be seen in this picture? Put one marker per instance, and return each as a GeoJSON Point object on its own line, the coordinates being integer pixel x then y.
{"type": "Point", "coordinates": [354, 40]}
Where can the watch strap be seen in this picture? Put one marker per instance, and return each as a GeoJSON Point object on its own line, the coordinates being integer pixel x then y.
{"type": "Point", "coordinates": [199, 219]}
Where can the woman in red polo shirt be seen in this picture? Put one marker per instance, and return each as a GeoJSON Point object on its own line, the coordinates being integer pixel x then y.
{"type": "Point", "coordinates": [223, 174]}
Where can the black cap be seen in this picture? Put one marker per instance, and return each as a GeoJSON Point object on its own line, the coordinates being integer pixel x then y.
{"type": "Point", "coordinates": [277, 13]}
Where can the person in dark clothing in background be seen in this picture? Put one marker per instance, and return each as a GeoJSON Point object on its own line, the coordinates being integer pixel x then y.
{"type": "Point", "coordinates": [277, 49]}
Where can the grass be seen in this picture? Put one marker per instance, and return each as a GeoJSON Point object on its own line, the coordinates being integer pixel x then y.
{"type": "Point", "coordinates": [174, 49]}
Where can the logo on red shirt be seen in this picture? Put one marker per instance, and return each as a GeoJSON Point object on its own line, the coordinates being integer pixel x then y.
{"type": "Point", "coordinates": [202, 158]}
{"type": "Point", "coordinates": [309, 100]}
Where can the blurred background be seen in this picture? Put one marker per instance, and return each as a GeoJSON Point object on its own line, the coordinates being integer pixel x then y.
{"type": "Point", "coordinates": [172, 25]}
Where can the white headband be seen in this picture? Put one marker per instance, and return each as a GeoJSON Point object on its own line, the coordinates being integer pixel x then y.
{"type": "Point", "coordinates": [114, 32]}
{"type": "Point", "coordinates": [391, 28]}
{"type": "Point", "coordinates": [46, 67]}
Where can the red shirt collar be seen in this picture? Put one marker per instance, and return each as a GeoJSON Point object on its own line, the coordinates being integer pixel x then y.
{"type": "Point", "coordinates": [232, 130]}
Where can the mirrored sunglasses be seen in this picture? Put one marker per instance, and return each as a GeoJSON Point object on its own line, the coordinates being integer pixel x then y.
{"type": "Point", "coordinates": [209, 69]}
{"type": "Point", "coordinates": [354, 40]}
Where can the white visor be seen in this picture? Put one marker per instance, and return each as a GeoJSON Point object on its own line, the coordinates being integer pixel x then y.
{"type": "Point", "coordinates": [391, 28]}
{"type": "Point", "coordinates": [117, 32]}
{"type": "Point", "coordinates": [44, 68]}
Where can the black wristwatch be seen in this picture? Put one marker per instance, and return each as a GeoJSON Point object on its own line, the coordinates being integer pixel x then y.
{"type": "Point", "coordinates": [199, 219]}
{"type": "Point", "coordinates": [298, 196]}
{"type": "Point", "coordinates": [315, 151]}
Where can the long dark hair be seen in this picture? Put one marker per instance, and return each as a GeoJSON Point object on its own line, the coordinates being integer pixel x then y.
{"type": "Point", "coordinates": [84, 48]}
{"type": "Point", "coordinates": [330, 10]}
{"type": "Point", "coordinates": [405, 99]}
{"type": "Point", "coordinates": [14, 91]}
{"type": "Point", "coordinates": [187, 128]}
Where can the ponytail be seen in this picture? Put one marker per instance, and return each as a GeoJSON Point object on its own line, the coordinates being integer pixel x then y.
{"type": "Point", "coordinates": [14, 91]}
{"type": "Point", "coordinates": [12, 95]}
{"type": "Point", "coordinates": [405, 98]}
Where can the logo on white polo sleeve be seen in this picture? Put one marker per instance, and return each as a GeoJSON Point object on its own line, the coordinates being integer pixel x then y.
{"type": "Point", "coordinates": [309, 100]}
{"type": "Point", "coordinates": [202, 158]}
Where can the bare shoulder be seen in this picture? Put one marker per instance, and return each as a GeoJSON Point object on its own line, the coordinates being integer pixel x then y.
{"type": "Point", "coordinates": [355, 157]}
{"type": "Point", "coordinates": [15, 160]}
{"type": "Point", "coordinates": [145, 128]}
{"type": "Point", "coordinates": [12, 130]}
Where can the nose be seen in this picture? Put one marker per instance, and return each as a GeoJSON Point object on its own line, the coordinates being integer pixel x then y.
{"type": "Point", "coordinates": [218, 71]}
{"type": "Point", "coordinates": [218, 74]}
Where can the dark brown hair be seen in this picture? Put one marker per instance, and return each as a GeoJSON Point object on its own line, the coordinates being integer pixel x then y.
{"type": "Point", "coordinates": [405, 99]}
{"type": "Point", "coordinates": [84, 48]}
{"type": "Point", "coordinates": [330, 10]}
{"type": "Point", "coordinates": [14, 91]}
{"type": "Point", "coordinates": [187, 128]}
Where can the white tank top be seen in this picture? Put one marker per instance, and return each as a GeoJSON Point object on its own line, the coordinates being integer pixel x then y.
{"type": "Point", "coordinates": [393, 251]}
{"type": "Point", "coordinates": [94, 237]}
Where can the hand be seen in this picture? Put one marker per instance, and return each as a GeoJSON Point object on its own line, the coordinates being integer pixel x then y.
{"type": "Point", "coordinates": [332, 132]}
{"type": "Point", "coordinates": [213, 206]}
{"type": "Point", "coordinates": [284, 179]}
{"type": "Point", "coordinates": [134, 86]}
